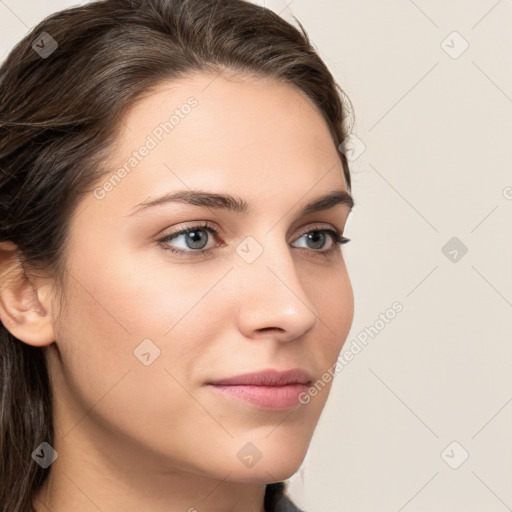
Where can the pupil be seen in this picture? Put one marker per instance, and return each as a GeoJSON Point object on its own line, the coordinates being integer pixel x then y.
{"type": "Point", "coordinates": [195, 234]}
{"type": "Point", "coordinates": [317, 234]}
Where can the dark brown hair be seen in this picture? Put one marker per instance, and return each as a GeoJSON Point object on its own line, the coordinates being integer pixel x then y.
{"type": "Point", "coordinates": [64, 89]}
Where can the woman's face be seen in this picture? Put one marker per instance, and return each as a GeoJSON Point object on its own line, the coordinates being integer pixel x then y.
{"type": "Point", "coordinates": [144, 329]}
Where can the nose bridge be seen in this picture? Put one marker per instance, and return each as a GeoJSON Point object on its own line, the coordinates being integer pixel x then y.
{"type": "Point", "coordinates": [272, 294]}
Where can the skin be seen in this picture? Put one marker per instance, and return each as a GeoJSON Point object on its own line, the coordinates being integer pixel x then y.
{"type": "Point", "coordinates": [132, 437]}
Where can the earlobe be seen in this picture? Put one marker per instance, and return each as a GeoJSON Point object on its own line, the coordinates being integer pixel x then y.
{"type": "Point", "coordinates": [21, 310]}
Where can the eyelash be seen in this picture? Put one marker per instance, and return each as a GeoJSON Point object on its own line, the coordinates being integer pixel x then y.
{"type": "Point", "coordinates": [335, 236]}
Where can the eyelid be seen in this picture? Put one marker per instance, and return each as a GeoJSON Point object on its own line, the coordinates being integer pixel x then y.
{"type": "Point", "coordinates": [318, 226]}
{"type": "Point", "coordinates": [189, 226]}
{"type": "Point", "coordinates": [210, 226]}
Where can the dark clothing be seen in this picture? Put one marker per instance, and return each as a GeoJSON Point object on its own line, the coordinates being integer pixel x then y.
{"type": "Point", "coordinates": [276, 499]}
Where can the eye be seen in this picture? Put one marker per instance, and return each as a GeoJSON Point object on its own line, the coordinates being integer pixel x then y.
{"type": "Point", "coordinates": [196, 237]}
{"type": "Point", "coordinates": [316, 239]}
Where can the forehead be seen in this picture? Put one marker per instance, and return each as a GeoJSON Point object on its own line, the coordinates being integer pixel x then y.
{"type": "Point", "coordinates": [232, 113]}
{"type": "Point", "coordinates": [253, 137]}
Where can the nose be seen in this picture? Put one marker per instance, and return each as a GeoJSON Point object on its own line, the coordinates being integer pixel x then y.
{"type": "Point", "coordinates": [272, 299]}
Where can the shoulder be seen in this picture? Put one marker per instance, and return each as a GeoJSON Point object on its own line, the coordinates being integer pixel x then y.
{"type": "Point", "coordinates": [276, 499]}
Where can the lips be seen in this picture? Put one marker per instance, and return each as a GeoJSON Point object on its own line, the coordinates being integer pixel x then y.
{"type": "Point", "coordinates": [270, 398]}
{"type": "Point", "coordinates": [267, 378]}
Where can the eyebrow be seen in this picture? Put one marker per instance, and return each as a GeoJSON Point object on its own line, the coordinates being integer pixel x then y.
{"type": "Point", "coordinates": [239, 205]}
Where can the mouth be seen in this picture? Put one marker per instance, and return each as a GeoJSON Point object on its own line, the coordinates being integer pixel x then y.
{"type": "Point", "coordinates": [269, 389]}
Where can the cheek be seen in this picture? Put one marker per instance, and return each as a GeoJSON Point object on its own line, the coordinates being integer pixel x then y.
{"type": "Point", "coordinates": [335, 307]}
{"type": "Point", "coordinates": [102, 377]}
{"type": "Point", "coordinates": [120, 309]}
{"type": "Point", "coordinates": [344, 303]}
{"type": "Point", "coordinates": [333, 298]}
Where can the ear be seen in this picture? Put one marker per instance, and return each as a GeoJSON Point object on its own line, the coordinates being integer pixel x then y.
{"type": "Point", "coordinates": [24, 303]}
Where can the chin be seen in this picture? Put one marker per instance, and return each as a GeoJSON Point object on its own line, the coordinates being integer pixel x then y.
{"type": "Point", "coordinates": [273, 465]}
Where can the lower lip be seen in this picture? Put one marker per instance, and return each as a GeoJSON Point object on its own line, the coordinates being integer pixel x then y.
{"type": "Point", "coordinates": [271, 398]}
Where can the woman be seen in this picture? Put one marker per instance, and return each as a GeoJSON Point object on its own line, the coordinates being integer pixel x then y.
{"type": "Point", "coordinates": [173, 291]}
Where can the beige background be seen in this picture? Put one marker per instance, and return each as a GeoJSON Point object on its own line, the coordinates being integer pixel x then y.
{"type": "Point", "coordinates": [437, 129]}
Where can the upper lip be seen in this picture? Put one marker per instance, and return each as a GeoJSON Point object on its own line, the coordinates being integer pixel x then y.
{"type": "Point", "coordinates": [267, 378]}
